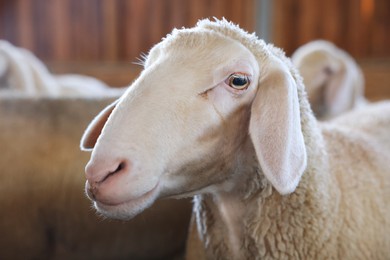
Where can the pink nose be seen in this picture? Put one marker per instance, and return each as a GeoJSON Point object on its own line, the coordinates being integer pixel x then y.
{"type": "Point", "coordinates": [98, 172]}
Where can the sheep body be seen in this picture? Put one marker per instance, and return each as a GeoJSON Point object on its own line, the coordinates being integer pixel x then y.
{"type": "Point", "coordinates": [326, 200]}
{"type": "Point", "coordinates": [333, 79]}
{"type": "Point", "coordinates": [323, 218]}
{"type": "Point", "coordinates": [22, 72]}
{"type": "Point", "coordinates": [45, 214]}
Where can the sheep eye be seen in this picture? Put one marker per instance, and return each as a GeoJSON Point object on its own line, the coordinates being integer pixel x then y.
{"type": "Point", "coordinates": [238, 81]}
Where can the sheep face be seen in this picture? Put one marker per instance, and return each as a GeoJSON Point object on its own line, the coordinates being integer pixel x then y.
{"type": "Point", "coordinates": [195, 121]}
{"type": "Point", "coordinates": [178, 128]}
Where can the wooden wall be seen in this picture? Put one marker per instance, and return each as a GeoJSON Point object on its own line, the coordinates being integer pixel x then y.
{"type": "Point", "coordinates": [107, 30]}
{"type": "Point", "coordinates": [102, 37]}
{"type": "Point", "coordinates": [112, 30]}
{"type": "Point", "coordinates": [362, 27]}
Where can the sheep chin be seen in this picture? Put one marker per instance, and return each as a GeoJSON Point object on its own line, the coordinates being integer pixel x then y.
{"type": "Point", "coordinates": [130, 208]}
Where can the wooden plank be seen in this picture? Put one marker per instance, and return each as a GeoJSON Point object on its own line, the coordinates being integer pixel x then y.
{"type": "Point", "coordinates": [179, 12]}
{"type": "Point", "coordinates": [8, 22]}
{"type": "Point", "coordinates": [25, 24]}
{"type": "Point", "coordinates": [109, 33]}
{"type": "Point", "coordinates": [250, 15]}
{"type": "Point", "coordinates": [157, 23]}
{"type": "Point", "coordinates": [197, 11]}
{"type": "Point", "coordinates": [235, 11]}
{"type": "Point", "coordinates": [354, 45]}
{"type": "Point", "coordinates": [134, 31]}
{"type": "Point", "coordinates": [42, 25]}
{"type": "Point", "coordinates": [218, 7]}
{"type": "Point", "coordinates": [331, 29]}
{"type": "Point", "coordinates": [380, 28]}
{"type": "Point", "coordinates": [61, 36]}
{"type": "Point", "coordinates": [92, 29]}
{"type": "Point", "coordinates": [377, 78]}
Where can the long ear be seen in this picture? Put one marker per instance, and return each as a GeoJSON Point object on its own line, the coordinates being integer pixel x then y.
{"type": "Point", "coordinates": [345, 88]}
{"type": "Point", "coordinates": [275, 128]}
{"type": "Point", "coordinates": [338, 93]}
{"type": "Point", "coordinates": [94, 129]}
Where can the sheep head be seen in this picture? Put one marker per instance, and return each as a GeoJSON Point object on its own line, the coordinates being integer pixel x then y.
{"type": "Point", "coordinates": [185, 126]}
{"type": "Point", "coordinates": [333, 80]}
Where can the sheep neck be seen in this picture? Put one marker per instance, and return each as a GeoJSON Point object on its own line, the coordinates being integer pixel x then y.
{"type": "Point", "coordinates": [219, 228]}
{"type": "Point", "coordinates": [254, 221]}
{"type": "Point", "coordinates": [221, 211]}
{"type": "Point", "coordinates": [222, 217]}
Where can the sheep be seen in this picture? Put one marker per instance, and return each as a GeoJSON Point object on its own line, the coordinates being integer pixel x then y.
{"type": "Point", "coordinates": [222, 116]}
{"type": "Point", "coordinates": [74, 85]}
{"type": "Point", "coordinates": [44, 211]}
{"type": "Point", "coordinates": [22, 72]}
{"type": "Point", "coordinates": [333, 80]}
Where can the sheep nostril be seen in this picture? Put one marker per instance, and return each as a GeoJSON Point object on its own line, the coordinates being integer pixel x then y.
{"type": "Point", "coordinates": [98, 171]}
{"type": "Point", "coordinates": [120, 167]}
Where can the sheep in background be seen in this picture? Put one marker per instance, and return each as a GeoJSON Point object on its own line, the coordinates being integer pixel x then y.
{"type": "Point", "coordinates": [333, 80]}
{"type": "Point", "coordinates": [73, 85]}
{"type": "Point", "coordinates": [291, 188]}
{"type": "Point", "coordinates": [22, 72]}
{"type": "Point", "coordinates": [44, 211]}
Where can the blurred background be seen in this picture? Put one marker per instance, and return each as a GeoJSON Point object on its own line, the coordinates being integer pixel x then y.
{"type": "Point", "coordinates": [102, 38]}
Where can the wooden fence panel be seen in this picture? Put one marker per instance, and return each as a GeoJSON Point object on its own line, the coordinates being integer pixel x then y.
{"type": "Point", "coordinates": [362, 27]}
{"type": "Point", "coordinates": [102, 37]}
{"type": "Point", "coordinates": [107, 30]}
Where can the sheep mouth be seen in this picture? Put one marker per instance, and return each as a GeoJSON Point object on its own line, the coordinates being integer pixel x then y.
{"type": "Point", "coordinates": [129, 208]}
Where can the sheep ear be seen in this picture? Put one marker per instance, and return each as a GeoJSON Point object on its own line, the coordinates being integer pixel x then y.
{"type": "Point", "coordinates": [92, 133]}
{"type": "Point", "coordinates": [342, 89]}
{"type": "Point", "coordinates": [336, 93]}
{"type": "Point", "coordinates": [275, 128]}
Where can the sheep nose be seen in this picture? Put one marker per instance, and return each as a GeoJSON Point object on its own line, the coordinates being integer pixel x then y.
{"type": "Point", "coordinates": [97, 172]}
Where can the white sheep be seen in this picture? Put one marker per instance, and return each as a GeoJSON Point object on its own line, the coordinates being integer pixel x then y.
{"type": "Point", "coordinates": [44, 211]}
{"type": "Point", "coordinates": [219, 114]}
{"type": "Point", "coordinates": [333, 80]}
{"type": "Point", "coordinates": [74, 85]}
{"type": "Point", "coordinates": [22, 72]}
